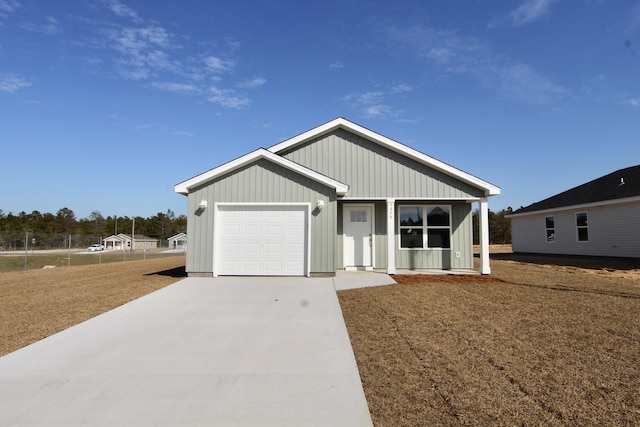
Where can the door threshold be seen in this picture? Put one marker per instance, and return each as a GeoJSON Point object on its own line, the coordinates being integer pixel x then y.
{"type": "Point", "coordinates": [359, 268]}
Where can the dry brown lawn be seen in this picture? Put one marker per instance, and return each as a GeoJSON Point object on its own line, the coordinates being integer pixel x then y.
{"type": "Point", "coordinates": [37, 303]}
{"type": "Point", "coordinates": [532, 344]}
{"type": "Point", "coordinates": [542, 342]}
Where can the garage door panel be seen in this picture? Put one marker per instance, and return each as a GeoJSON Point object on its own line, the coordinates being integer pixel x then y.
{"type": "Point", "coordinates": [262, 240]}
{"type": "Point", "coordinates": [274, 230]}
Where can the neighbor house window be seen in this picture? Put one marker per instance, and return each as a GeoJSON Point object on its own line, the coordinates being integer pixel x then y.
{"type": "Point", "coordinates": [423, 227]}
{"type": "Point", "coordinates": [582, 226]}
{"type": "Point", "coordinates": [550, 224]}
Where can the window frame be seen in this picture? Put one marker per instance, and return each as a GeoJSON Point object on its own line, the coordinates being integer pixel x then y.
{"type": "Point", "coordinates": [582, 227]}
{"type": "Point", "coordinates": [552, 228]}
{"type": "Point", "coordinates": [425, 227]}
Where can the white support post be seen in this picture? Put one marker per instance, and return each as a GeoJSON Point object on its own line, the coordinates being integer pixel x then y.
{"type": "Point", "coordinates": [485, 268]}
{"type": "Point", "coordinates": [391, 236]}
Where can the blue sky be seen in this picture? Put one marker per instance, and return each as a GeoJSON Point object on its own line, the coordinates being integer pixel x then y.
{"type": "Point", "coordinates": [106, 105]}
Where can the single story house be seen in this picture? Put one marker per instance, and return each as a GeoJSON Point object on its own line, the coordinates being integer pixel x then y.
{"type": "Point", "coordinates": [599, 218]}
{"type": "Point", "coordinates": [123, 242]}
{"type": "Point", "coordinates": [338, 196]}
{"type": "Point", "coordinates": [178, 242]}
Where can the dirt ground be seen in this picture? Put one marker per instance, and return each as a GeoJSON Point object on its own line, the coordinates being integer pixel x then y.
{"type": "Point", "coordinates": [533, 344]}
{"type": "Point", "coordinates": [37, 303]}
{"type": "Point", "coordinates": [542, 341]}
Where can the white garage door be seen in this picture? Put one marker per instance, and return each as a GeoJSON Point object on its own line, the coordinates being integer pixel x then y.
{"type": "Point", "coordinates": [262, 240]}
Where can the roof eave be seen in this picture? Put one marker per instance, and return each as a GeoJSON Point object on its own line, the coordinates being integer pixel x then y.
{"type": "Point", "coordinates": [261, 153]}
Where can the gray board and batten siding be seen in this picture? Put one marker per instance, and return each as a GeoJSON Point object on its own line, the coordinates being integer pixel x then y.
{"type": "Point", "coordinates": [374, 172]}
{"type": "Point", "coordinates": [330, 166]}
{"type": "Point", "coordinates": [263, 182]}
{"type": "Point", "coordinates": [461, 242]}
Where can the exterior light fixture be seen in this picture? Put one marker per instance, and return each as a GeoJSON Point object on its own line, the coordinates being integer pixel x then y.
{"type": "Point", "coordinates": [320, 205]}
{"type": "Point", "coordinates": [202, 205]}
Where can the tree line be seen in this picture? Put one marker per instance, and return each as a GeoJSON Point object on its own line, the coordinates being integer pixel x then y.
{"type": "Point", "coordinates": [499, 227]}
{"type": "Point", "coordinates": [47, 230]}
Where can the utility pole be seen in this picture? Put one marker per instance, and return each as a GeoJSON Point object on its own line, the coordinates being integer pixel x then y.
{"type": "Point", "coordinates": [133, 229]}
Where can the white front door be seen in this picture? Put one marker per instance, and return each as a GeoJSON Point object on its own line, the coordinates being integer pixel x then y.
{"type": "Point", "coordinates": [357, 228]}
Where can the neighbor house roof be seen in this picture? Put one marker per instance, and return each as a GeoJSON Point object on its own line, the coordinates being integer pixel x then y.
{"type": "Point", "coordinates": [125, 237]}
{"type": "Point", "coordinates": [342, 123]}
{"type": "Point", "coordinates": [621, 184]}
{"type": "Point", "coordinates": [261, 153]}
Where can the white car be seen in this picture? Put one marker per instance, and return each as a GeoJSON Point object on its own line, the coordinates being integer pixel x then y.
{"type": "Point", "coordinates": [95, 248]}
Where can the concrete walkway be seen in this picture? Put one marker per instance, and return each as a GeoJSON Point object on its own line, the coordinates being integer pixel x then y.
{"type": "Point", "coordinates": [224, 351]}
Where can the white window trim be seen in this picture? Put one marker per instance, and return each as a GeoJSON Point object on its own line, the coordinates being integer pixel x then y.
{"type": "Point", "coordinates": [546, 229]}
{"type": "Point", "coordinates": [581, 226]}
{"type": "Point", "coordinates": [425, 227]}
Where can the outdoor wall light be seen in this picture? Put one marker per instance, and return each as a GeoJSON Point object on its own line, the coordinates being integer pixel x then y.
{"type": "Point", "coordinates": [203, 205]}
{"type": "Point", "coordinates": [320, 205]}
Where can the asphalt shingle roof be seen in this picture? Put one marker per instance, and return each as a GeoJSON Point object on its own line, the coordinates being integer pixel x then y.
{"type": "Point", "coordinates": [620, 184]}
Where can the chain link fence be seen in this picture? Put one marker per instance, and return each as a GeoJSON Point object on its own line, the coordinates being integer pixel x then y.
{"type": "Point", "coordinates": [25, 250]}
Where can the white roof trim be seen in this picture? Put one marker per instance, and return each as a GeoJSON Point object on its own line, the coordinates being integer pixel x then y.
{"type": "Point", "coordinates": [489, 189]}
{"type": "Point", "coordinates": [261, 153]}
{"type": "Point", "coordinates": [601, 203]}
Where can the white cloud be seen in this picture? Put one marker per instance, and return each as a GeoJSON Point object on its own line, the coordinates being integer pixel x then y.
{"type": "Point", "coordinates": [145, 50]}
{"type": "Point", "coordinates": [376, 103]}
{"type": "Point", "coordinates": [401, 88]}
{"type": "Point", "coordinates": [336, 66]}
{"type": "Point", "coordinates": [526, 13]}
{"type": "Point", "coordinates": [8, 6]}
{"type": "Point", "coordinates": [121, 10]}
{"type": "Point", "coordinates": [228, 98]}
{"type": "Point", "coordinates": [11, 83]}
{"type": "Point", "coordinates": [378, 110]}
{"type": "Point", "coordinates": [252, 83]}
{"type": "Point", "coordinates": [48, 28]}
{"type": "Point", "coordinates": [451, 53]}
{"type": "Point", "coordinates": [634, 102]}
{"type": "Point", "coordinates": [218, 65]}
{"type": "Point", "coordinates": [183, 88]}
{"type": "Point", "coordinates": [182, 133]}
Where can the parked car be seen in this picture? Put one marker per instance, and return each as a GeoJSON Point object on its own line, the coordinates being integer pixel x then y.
{"type": "Point", "coordinates": [95, 248]}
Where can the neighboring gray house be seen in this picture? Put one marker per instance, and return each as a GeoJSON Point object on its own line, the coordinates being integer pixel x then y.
{"type": "Point", "coordinates": [178, 243]}
{"type": "Point", "coordinates": [123, 242]}
{"type": "Point", "coordinates": [599, 218]}
{"type": "Point", "coordinates": [339, 196]}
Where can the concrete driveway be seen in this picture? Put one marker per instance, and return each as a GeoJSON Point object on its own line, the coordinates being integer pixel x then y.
{"type": "Point", "coordinates": [224, 351]}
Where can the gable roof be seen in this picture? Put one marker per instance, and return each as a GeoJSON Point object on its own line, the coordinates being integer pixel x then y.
{"type": "Point", "coordinates": [126, 237]}
{"type": "Point", "coordinates": [342, 123]}
{"type": "Point", "coordinates": [261, 153]}
{"type": "Point", "coordinates": [621, 184]}
{"type": "Point", "coordinates": [179, 236]}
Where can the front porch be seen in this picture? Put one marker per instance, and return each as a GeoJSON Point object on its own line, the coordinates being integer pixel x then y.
{"type": "Point", "coordinates": [412, 236]}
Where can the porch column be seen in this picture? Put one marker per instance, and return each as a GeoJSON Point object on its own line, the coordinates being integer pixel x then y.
{"type": "Point", "coordinates": [391, 236]}
{"type": "Point", "coordinates": [483, 219]}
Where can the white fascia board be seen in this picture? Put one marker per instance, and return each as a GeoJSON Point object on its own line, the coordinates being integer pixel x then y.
{"type": "Point", "coordinates": [261, 153]}
{"type": "Point", "coordinates": [601, 203]}
{"type": "Point", "coordinates": [489, 189]}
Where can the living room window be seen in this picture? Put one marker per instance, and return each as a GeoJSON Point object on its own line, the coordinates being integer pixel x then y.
{"type": "Point", "coordinates": [550, 225]}
{"type": "Point", "coordinates": [582, 226]}
{"type": "Point", "coordinates": [425, 227]}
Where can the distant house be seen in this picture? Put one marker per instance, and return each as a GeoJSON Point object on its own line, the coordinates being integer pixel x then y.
{"type": "Point", "coordinates": [123, 242]}
{"type": "Point", "coordinates": [339, 196]}
{"type": "Point", "coordinates": [599, 218]}
{"type": "Point", "coordinates": [178, 242]}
